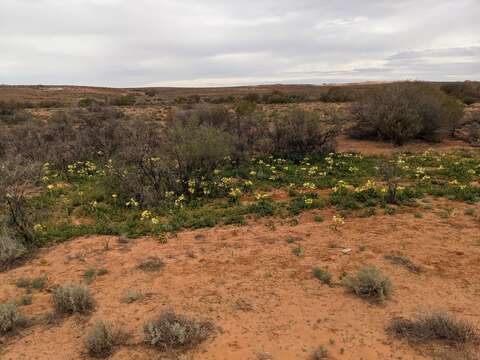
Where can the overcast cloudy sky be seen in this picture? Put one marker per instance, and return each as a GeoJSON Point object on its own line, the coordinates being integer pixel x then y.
{"type": "Point", "coordinates": [230, 42]}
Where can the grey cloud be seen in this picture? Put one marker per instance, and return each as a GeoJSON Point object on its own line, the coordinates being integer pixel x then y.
{"type": "Point", "coordinates": [217, 42]}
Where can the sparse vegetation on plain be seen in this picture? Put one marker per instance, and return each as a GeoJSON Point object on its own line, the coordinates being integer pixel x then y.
{"type": "Point", "coordinates": [244, 168]}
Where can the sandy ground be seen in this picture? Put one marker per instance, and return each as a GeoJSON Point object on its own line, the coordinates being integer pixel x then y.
{"type": "Point", "coordinates": [366, 147]}
{"type": "Point", "coordinates": [264, 298]}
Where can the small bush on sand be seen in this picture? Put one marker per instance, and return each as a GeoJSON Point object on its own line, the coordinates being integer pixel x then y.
{"type": "Point", "coordinates": [11, 251]}
{"type": "Point", "coordinates": [319, 354]}
{"type": "Point", "coordinates": [402, 112]}
{"type": "Point", "coordinates": [151, 264]}
{"type": "Point", "coordinates": [175, 332]}
{"type": "Point", "coordinates": [10, 318]}
{"type": "Point", "coordinates": [132, 296]}
{"type": "Point", "coordinates": [323, 275]}
{"type": "Point", "coordinates": [369, 283]}
{"type": "Point", "coordinates": [438, 326]}
{"type": "Point", "coordinates": [71, 299]}
{"type": "Point", "coordinates": [102, 338]}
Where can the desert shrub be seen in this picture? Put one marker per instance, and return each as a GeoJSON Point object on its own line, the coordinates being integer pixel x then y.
{"type": "Point", "coordinates": [16, 178]}
{"type": "Point", "coordinates": [124, 100]}
{"type": "Point", "coordinates": [298, 133]}
{"type": "Point", "coordinates": [320, 353]}
{"type": "Point", "coordinates": [174, 160]}
{"type": "Point", "coordinates": [37, 283]}
{"type": "Point", "coordinates": [68, 137]}
{"type": "Point", "coordinates": [275, 97]}
{"type": "Point", "coordinates": [196, 149]}
{"type": "Point", "coordinates": [102, 338]}
{"type": "Point", "coordinates": [322, 275]}
{"type": "Point", "coordinates": [402, 112]}
{"type": "Point", "coordinates": [7, 108]}
{"type": "Point", "coordinates": [246, 127]}
{"type": "Point", "coordinates": [470, 131]}
{"type": "Point", "coordinates": [132, 296]}
{"type": "Point", "coordinates": [369, 283]}
{"type": "Point", "coordinates": [338, 94]}
{"type": "Point", "coordinates": [10, 318]}
{"type": "Point", "coordinates": [468, 91]}
{"type": "Point", "coordinates": [252, 97]}
{"type": "Point", "coordinates": [473, 132]}
{"type": "Point", "coordinates": [37, 141]}
{"type": "Point", "coordinates": [170, 332]}
{"type": "Point", "coordinates": [71, 299]}
{"type": "Point", "coordinates": [11, 251]}
{"type": "Point", "coordinates": [151, 264]}
{"type": "Point", "coordinates": [86, 102]}
{"type": "Point", "coordinates": [144, 171]}
{"type": "Point", "coordinates": [439, 326]}
{"type": "Point", "coordinates": [151, 92]}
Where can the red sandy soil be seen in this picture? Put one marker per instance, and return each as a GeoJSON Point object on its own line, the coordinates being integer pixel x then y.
{"type": "Point", "coordinates": [366, 147]}
{"type": "Point", "coordinates": [264, 298]}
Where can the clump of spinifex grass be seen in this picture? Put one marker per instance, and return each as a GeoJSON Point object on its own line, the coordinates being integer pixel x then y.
{"type": "Point", "coordinates": [369, 283]}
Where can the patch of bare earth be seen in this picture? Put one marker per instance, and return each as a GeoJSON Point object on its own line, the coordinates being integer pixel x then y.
{"type": "Point", "coordinates": [264, 298]}
{"type": "Point", "coordinates": [367, 147]}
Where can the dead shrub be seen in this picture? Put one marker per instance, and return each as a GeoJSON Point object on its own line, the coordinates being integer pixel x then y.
{"type": "Point", "coordinates": [170, 332]}
{"type": "Point", "coordinates": [406, 111]}
{"type": "Point", "coordinates": [438, 326]}
{"type": "Point", "coordinates": [16, 178]}
{"type": "Point", "coordinates": [10, 318]}
{"type": "Point", "coordinates": [102, 338]}
{"type": "Point", "coordinates": [72, 298]}
{"type": "Point", "coordinates": [369, 283]}
{"type": "Point", "coordinates": [404, 261]}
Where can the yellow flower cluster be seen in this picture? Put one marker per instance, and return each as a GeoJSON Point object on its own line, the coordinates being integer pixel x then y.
{"type": "Point", "coordinates": [309, 185]}
{"type": "Point", "coordinates": [132, 203]}
{"type": "Point", "coordinates": [235, 193]}
{"type": "Point", "coordinates": [261, 196]}
{"type": "Point", "coordinates": [147, 215]}
{"type": "Point", "coordinates": [341, 185]}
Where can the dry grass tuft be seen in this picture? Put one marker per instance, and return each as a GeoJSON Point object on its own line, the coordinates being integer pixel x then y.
{"type": "Point", "coordinates": [403, 261]}
{"type": "Point", "coordinates": [11, 251]}
{"type": "Point", "coordinates": [434, 326]}
{"type": "Point", "coordinates": [10, 318]}
{"type": "Point", "coordinates": [102, 338]}
{"type": "Point", "coordinates": [369, 283]}
{"type": "Point", "coordinates": [71, 299]}
{"type": "Point", "coordinates": [176, 332]}
{"type": "Point", "coordinates": [151, 264]}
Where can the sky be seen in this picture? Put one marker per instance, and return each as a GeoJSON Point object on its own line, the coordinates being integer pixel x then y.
{"type": "Point", "coordinates": [127, 43]}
